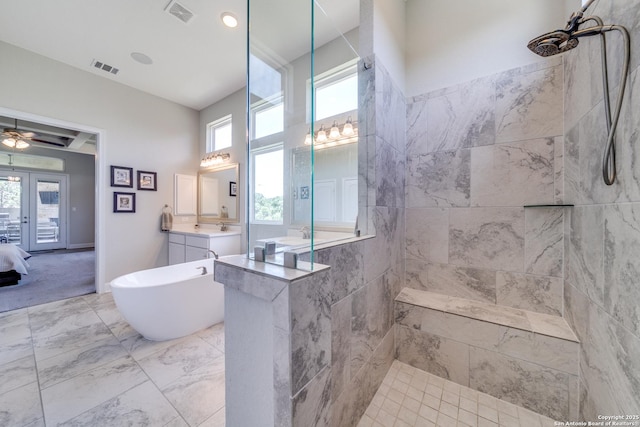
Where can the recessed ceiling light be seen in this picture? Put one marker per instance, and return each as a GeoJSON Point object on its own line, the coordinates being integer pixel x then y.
{"type": "Point", "coordinates": [229, 19]}
{"type": "Point", "coordinates": [141, 58]}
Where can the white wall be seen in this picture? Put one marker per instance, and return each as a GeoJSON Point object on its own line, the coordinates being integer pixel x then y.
{"type": "Point", "coordinates": [448, 42]}
{"type": "Point", "coordinates": [138, 130]}
{"type": "Point", "coordinates": [389, 37]}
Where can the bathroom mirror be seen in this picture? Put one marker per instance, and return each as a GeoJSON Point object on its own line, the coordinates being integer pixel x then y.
{"type": "Point", "coordinates": [218, 194]}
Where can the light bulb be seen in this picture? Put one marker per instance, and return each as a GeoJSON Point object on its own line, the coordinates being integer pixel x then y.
{"type": "Point", "coordinates": [9, 142]}
{"type": "Point", "coordinates": [229, 20]}
{"type": "Point", "coordinates": [335, 132]}
{"type": "Point", "coordinates": [347, 129]}
{"type": "Point", "coordinates": [322, 135]}
{"type": "Point", "coordinates": [21, 144]}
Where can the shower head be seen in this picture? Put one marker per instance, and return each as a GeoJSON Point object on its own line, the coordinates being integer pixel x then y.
{"type": "Point", "coordinates": [553, 43]}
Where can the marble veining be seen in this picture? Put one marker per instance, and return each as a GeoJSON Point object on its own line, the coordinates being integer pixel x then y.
{"type": "Point", "coordinates": [528, 292]}
{"type": "Point", "coordinates": [540, 389]}
{"type": "Point", "coordinates": [441, 179]}
{"type": "Point", "coordinates": [544, 241]}
{"type": "Point", "coordinates": [529, 105]}
{"type": "Point", "coordinates": [114, 378]}
{"type": "Point", "coordinates": [428, 236]}
{"type": "Point", "coordinates": [463, 118]}
{"type": "Point", "coordinates": [372, 317]}
{"type": "Point", "coordinates": [487, 238]}
{"type": "Point", "coordinates": [621, 264]}
{"type": "Point", "coordinates": [513, 174]}
{"type": "Point", "coordinates": [310, 328]}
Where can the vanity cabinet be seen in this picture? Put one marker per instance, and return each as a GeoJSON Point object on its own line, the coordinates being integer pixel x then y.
{"type": "Point", "coordinates": [185, 247]}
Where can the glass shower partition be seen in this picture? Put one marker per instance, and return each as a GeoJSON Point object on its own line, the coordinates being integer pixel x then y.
{"type": "Point", "coordinates": [302, 125]}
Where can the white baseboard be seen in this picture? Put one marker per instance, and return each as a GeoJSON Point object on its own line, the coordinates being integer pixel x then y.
{"type": "Point", "coordinates": [80, 245]}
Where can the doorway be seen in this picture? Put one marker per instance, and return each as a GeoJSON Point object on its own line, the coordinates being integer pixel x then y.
{"type": "Point", "coordinates": [33, 210]}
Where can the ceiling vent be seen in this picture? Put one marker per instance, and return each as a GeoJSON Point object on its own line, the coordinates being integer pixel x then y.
{"type": "Point", "coordinates": [104, 67]}
{"type": "Point", "coordinates": [179, 11]}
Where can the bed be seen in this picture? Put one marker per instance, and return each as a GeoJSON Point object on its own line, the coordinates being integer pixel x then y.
{"type": "Point", "coordinates": [13, 264]}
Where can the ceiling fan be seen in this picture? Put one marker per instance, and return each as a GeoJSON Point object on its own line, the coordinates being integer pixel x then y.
{"type": "Point", "coordinates": [14, 138]}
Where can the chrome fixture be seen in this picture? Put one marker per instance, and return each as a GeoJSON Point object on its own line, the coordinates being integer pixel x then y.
{"type": "Point", "coordinates": [204, 270]}
{"type": "Point", "coordinates": [223, 226]}
{"type": "Point", "coordinates": [306, 232]}
{"type": "Point", "coordinates": [565, 39]}
{"type": "Point", "coordinates": [213, 159]}
{"type": "Point", "coordinates": [215, 255]}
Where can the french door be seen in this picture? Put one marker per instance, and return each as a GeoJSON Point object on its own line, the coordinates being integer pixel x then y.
{"type": "Point", "coordinates": [33, 210]}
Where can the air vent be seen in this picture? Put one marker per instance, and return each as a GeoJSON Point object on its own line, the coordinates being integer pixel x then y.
{"type": "Point", "coordinates": [105, 67]}
{"type": "Point", "coordinates": [179, 11]}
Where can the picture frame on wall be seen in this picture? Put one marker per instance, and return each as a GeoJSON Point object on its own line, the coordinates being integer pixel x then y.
{"type": "Point", "coordinates": [121, 176]}
{"type": "Point", "coordinates": [147, 181]}
{"type": "Point", "coordinates": [233, 189]}
{"type": "Point", "coordinates": [124, 202]}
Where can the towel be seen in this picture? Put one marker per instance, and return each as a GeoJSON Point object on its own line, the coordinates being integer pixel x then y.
{"type": "Point", "coordinates": [166, 221]}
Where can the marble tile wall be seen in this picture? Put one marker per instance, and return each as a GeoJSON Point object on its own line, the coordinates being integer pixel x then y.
{"type": "Point", "coordinates": [509, 359]}
{"type": "Point", "coordinates": [601, 285]}
{"type": "Point", "coordinates": [476, 154]}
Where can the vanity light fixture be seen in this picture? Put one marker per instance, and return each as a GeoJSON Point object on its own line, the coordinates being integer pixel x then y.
{"type": "Point", "coordinates": [213, 159]}
{"type": "Point", "coordinates": [334, 137]}
{"type": "Point", "coordinates": [229, 19]}
{"type": "Point", "coordinates": [334, 133]}
{"type": "Point", "coordinates": [347, 129]}
{"type": "Point", "coordinates": [322, 135]}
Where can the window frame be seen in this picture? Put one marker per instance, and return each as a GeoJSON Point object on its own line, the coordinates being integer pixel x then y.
{"type": "Point", "coordinates": [211, 132]}
{"type": "Point", "coordinates": [347, 70]}
{"type": "Point", "coordinates": [252, 176]}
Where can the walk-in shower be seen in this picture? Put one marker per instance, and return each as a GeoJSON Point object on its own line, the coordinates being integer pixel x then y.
{"type": "Point", "coordinates": [562, 40]}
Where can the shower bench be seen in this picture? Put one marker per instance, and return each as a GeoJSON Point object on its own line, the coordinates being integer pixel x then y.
{"type": "Point", "coordinates": [527, 358]}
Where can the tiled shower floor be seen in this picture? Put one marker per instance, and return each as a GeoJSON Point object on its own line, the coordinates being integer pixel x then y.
{"type": "Point", "coordinates": [409, 397]}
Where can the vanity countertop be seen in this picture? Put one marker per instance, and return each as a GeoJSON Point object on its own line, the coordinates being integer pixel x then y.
{"type": "Point", "coordinates": [204, 231]}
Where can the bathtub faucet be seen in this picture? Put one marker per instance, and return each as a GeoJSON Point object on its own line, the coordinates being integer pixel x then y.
{"type": "Point", "coordinates": [204, 270]}
{"type": "Point", "coordinates": [215, 255]}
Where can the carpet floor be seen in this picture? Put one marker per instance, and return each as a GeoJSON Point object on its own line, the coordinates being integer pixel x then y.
{"type": "Point", "coordinates": [53, 276]}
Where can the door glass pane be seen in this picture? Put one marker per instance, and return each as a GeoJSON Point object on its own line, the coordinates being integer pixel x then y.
{"type": "Point", "coordinates": [10, 199]}
{"type": "Point", "coordinates": [48, 208]}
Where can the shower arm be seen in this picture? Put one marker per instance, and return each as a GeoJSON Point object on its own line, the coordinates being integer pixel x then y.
{"type": "Point", "coordinates": [609, 157]}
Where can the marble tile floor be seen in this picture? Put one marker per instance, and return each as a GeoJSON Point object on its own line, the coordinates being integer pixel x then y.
{"type": "Point", "coordinates": [77, 362]}
{"type": "Point", "coordinates": [410, 397]}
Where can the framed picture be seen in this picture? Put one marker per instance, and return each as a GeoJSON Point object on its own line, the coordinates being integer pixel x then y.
{"type": "Point", "coordinates": [121, 176]}
{"type": "Point", "coordinates": [147, 181]}
{"type": "Point", "coordinates": [124, 202]}
{"type": "Point", "coordinates": [233, 189]}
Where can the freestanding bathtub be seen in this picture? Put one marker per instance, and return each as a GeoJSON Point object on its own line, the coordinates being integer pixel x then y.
{"type": "Point", "coordinates": [170, 302]}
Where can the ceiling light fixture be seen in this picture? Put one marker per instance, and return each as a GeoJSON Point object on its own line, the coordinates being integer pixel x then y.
{"type": "Point", "coordinates": [141, 58]}
{"type": "Point", "coordinates": [324, 139]}
{"type": "Point", "coordinates": [229, 19]}
{"type": "Point", "coordinates": [13, 138]}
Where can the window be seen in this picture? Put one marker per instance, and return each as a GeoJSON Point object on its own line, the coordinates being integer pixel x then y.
{"type": "Point", "coordinates": [268, 119]}
{"type": "Point", "coordinates": [336, 92]}
{"type": "Point", "coordinates": [219, 134]}
{"type": "Point", "coordinates": [268, 185]}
